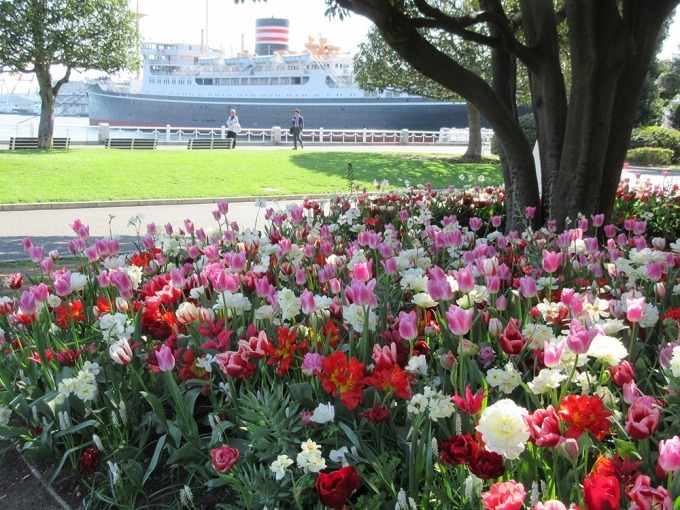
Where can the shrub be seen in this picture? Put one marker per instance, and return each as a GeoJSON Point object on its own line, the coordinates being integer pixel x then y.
{"type": "Point", "coordinates": [649, 156]}
{"type": "Point", "coordinates": [528, 124]}
{"type": "Point", "coordinates": [654, 136]}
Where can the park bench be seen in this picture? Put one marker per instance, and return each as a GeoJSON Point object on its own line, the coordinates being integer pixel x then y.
{"type": "Point", "coordinates": [210, 143]}
{"type": "Point", "coordinates": [131, 143]}
{"type": "Point", "coordinates": [34, 143]}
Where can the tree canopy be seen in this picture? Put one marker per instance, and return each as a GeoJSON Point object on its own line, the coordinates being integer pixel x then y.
{"type": "Point", "coordinates": [37, 35]}
{"type": "Point", "coordinates": [584, 108]}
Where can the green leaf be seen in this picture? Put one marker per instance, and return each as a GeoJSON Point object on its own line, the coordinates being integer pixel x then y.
{"type": "Point", "coordinates": [187, 453]}
{"type": "Point", "coordinates": [154, 459]}
{"type": "Point", "coordinates": [8, 432]}
{"type": "Point", "coordinates": [216, 482]}
{"type": "Point", "coordinates": [75, 428]}
{"type": "Point", "coordinates": [157, 407]}
{"type": "Point", "coordinates": [134, 471]}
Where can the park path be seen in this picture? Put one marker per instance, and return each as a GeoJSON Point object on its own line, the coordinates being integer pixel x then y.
{"type": "Point", "coordinates": [50, 227]}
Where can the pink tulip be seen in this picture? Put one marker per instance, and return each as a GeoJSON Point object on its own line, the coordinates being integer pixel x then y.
{"type": "Point", "coordinates": [460, 321]}
{"type": "Point", "coordinates": [544, 427]}
{"type": "Point", "coordinates": [408, 325]}
{"type": "Point", "coordinates": [166, 361]}
{"type": "Point", "coordinates": [655, 270]}
{"type": "Point", "coordinates": [527, 287]}
{"type": "Point", "coordinates": [635, 309]}
{"type": "Point", "coordinates": [580, 337]}
{"type": "Point", "coordinates": [552, 354]}
{"type": "Point", "coordinates": [363, 271]}
{"type": "Point", "coordinates": [553, 504]}
{"type": "Point", "coordinates": [501, 303]}
{"type": "Point", "coordinates": [103, 279]}
{"type": "Point", "coordinates": [27, 303]}
{"type": "Point", "coordinates": [530, 212]}
{"type": "Point", "coordinates": [465, 279]}
{"type": "Point", "coordinates": [475, 224]}
{"type": "Point", "coordinates": [41, 292]}
{"type": "Point", "coordinates": [630, 392]}
{"type": "Point", "coordinates": [177, 279]}
{"type": "Point", "coordinates": [508, 495]}
{"type": "Point", "coordinates": [643, 417]}
{"type": "Point", "coordinates": [121, 282]}
{"type": "Point", "coordinates": [223, 207]}
{"type": "Point", "coordinates": [495, 327]}
{"type": "Point", "coordinates": [62, 285]}
{"type": "Point", "coordinates": [46, 266]}
{"type": "Point", "coordinates": [361, 294]}
{"type": "Point", "coordinates": [669, 454]}
{"type": "Point", "coordinates": [496, 221]}
{"type": "Point", "coordinates": [389, 265]}
{"type": "Point", "coordinates": [189, 225]}
{"type": "Point", "coordinates": [598, 220]}
{"type": "Point", "coordinates": [307, 302]}
{"type": "Point", "coordinates": [551, 261]}
{"type": "Point", "coordinates": [36, 253]}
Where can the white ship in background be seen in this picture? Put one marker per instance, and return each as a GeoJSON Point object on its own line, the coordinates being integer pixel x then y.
{"type": "Point", "coordinates": [186, 85]}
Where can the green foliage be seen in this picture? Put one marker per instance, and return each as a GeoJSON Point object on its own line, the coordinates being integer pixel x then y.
{"type": "Point", "coordinates": [653, 136]}
{"type": "Point", "coordinates": [78, 34]}
{"type": "Point", "coordinates": [650, 107]}
{"type": "Point", "coordinates": [649, 156]}
{"type": "Point", "coordinates": [528, 124]}
{"type": "Point", "coordinates": [674, 114]}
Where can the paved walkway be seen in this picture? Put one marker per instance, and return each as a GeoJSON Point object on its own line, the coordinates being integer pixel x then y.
{"type": "Point", "coordinates": [50, 227]}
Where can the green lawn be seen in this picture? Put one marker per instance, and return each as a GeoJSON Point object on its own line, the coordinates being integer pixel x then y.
{"type": "Point", "coordinates": [98, 175]}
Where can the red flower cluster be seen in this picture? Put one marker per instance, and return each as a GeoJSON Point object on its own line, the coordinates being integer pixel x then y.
{"type": "Point", "coordinates": [464, 449]}
{"type": "Point", "coordinates": [584, 412]}
{"type": "Point", "coordinates": [340, 376]}
{"type": "Point", "coordinates": [284, 353]}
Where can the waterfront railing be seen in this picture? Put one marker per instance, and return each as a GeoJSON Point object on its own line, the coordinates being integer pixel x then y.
{"type": "Point", "coordinates": [271, 136]}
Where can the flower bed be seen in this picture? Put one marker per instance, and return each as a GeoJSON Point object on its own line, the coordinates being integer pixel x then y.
{"type": "Point", "coordinates": [398, 352]}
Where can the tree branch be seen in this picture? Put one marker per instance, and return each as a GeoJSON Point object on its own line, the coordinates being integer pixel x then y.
{"type": "Point", "coordinates": [63, 80]}
{"type": "Point", "coordinates": [458, 26]}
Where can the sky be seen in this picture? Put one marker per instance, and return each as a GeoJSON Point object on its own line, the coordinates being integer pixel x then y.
{"type": "Point", "coordinates": [229, 23]}
{"type": "Point", "coordinates": [183, 20]}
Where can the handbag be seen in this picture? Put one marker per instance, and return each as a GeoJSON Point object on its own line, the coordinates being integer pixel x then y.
{"type": "Point", "coordinates": [236, 128]}
{"type": "Point", "coordinates": [291, 129]}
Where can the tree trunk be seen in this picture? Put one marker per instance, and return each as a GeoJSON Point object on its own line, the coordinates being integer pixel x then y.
{"type": "Point", "coordinates": [47, 100]}
{"type": "Point", "coordinates": [599, 48]}
{"type": "Point", "coordinates": [474, 148]}
{"type": "Point", "coordinates": [644, 20]}
{"type": "Point", "coordinates": [398, 31]}
{"type": "Point", "coordinates": [548, 93]}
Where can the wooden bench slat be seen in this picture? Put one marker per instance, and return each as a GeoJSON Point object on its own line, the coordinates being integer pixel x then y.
{"type": "Point", "coordinates": [210, 143]}
{"type": "Point", "coordinates": [18, 143]}
{"type": "Point", "coordinates": [132, 143]}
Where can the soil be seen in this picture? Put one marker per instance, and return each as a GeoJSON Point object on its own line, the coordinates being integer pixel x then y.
{"type": "Point", "coordinates": [23, 486]}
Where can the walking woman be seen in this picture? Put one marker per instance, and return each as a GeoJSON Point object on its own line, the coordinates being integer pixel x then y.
{"type": "Point", "coordinates": [233, 126]}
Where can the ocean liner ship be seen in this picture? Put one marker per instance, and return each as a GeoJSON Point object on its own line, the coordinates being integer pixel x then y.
{"type": "Point", "coordinates": [187, 85]}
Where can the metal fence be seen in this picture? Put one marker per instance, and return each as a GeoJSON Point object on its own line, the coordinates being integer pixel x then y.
{"type": "Point", "coordinates": [86, 134]}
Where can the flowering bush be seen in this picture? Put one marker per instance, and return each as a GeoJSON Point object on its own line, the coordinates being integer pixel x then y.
{"type": "Point", "coordinates": [398, 352]}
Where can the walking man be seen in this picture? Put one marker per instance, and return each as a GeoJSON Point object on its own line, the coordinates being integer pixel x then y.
{"type": "Point", "coordinates": [297, 125]}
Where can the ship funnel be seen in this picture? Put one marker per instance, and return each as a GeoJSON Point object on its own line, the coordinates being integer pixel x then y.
{"type": "Point", "coordinates": [271, 34]}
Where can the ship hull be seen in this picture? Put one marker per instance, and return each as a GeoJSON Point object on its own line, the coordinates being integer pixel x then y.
{"type": "Point", "coordinates": [415, 114]}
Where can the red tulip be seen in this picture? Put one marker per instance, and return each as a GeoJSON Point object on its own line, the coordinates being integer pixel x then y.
{"type": "Point", "coordinates": [335, 488]}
